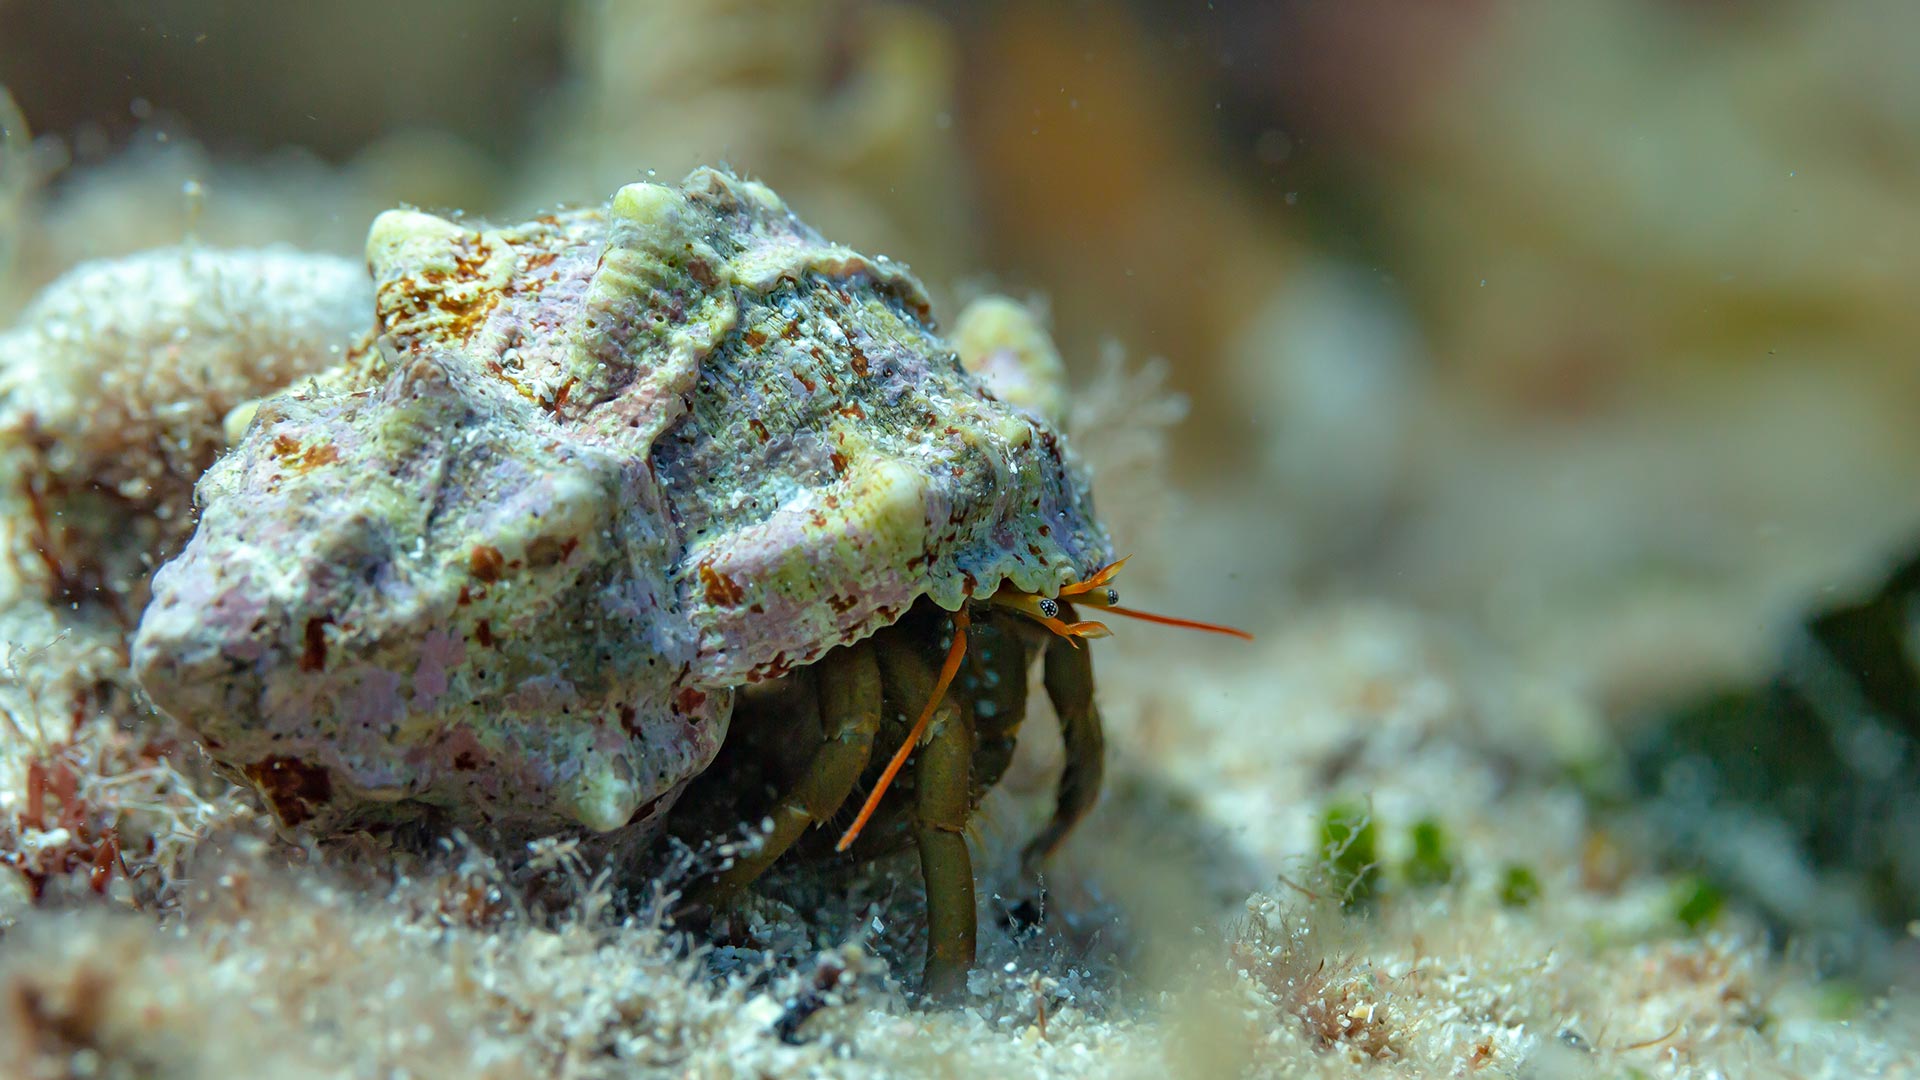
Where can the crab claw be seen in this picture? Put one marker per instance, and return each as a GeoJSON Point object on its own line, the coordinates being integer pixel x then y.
{"type": "Point", "coordinates": [1076, 631]}
{"type": "Point", "coordinates": [1100, 579]}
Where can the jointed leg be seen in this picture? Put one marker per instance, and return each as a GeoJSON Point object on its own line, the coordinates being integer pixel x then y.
{"type": "Point", "coordinates": [1001, 661]}
{"type": "Point", "coordinates": [1069, 681]}
{"type": "Point", "coordinates": [849, 716]}
{"type": "Point", "coordinates": [942, 803]}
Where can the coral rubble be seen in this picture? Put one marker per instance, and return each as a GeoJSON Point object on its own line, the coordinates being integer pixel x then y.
{"type": "Point", "coordinates": [114, 386]}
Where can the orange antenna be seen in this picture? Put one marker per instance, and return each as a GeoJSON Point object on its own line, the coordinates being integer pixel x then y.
{"type": "Point", "coordinates": [955, 653]}
{"type": "Point", "coordinates": [1097, 592]}
{"type": "Point", "coordinates": [1169, 620]}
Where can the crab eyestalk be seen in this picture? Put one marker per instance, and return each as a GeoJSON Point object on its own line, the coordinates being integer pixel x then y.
{"type": "Point", "coordinates": [1048, 612]}
{"type": "Point", "coordinates": [1094, 591]}
{"type": "Point", "coordinates": [1097, 592]}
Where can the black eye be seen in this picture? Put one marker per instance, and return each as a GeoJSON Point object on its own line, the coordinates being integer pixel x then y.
{"type": "Point", "coordinates": [1113, 597]}
{"type": "Point", "coordinates": [1049, 608]}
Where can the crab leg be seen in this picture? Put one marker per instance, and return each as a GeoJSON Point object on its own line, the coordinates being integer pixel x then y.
{"type": "Point", "coordinates": [1000, 702]}
{"type": "Point", "coordinates": [942, 804]}
{"type": "Point", "coordinates": [1069, 681]}
{"type": "Point", "coordinates": [942, 780]}
{"type": "Point", "coordinates": [849, 717]}
{"type": "Point", "coordinates": [956, 653]}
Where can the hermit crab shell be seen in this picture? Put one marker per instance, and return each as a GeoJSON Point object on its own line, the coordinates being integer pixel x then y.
{"type": "Point", "coordinates": [835, 461]}
{"type": "Point", "coordinates": [595, 471]}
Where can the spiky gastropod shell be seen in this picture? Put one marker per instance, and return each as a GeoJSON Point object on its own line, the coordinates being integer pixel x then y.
{"type": "Point", "coordinates": [418, 581]}
{"type": "Point", "coordinates": [598, 470]}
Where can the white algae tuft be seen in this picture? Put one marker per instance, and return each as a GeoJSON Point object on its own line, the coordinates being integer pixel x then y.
{"type": "Point", "coordinates": [113, 388]}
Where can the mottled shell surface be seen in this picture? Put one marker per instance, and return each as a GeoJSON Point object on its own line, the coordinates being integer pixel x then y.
{"type": "Point", "coordinates": [595, 471]}
{"type": "Point", "coordinates": [835, 461]}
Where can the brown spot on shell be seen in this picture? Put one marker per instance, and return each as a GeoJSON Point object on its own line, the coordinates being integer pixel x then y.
{"type": "Point", "coordinates": [313, 645]}
{"type": "Point", "coordinates": [466, 311]}
{"type": "Point", "coordinates": [302, 459]}
{"type": "Point", "coordinates": [772, 669]}
{"type": "Point", "coordinates": [292, 787]}
{"type": "Point", "coordinates": [546, 550]}
{"type": "Point", "coordinates": [689, 700]}
{"type": "Point", "coordinates": [720, 589]}
{"type": "Point", "coordinates": [483, 633]}
{"type": "Point", "coordinates": [486, 562]}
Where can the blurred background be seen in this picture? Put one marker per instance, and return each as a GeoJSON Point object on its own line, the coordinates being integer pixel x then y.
{"type": "Point", "coordinates": [1588, 327]}
{"type": "Point", "coordinates": [1591, 315]}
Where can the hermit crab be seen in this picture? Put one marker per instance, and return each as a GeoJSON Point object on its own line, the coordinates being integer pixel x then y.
{"type": "Point", "coordinates": [591, 475]}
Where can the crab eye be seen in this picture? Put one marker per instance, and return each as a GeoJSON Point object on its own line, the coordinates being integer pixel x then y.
{"type": "Point", "coordinates": [1049, 608]}
{"type": "Point", "coordinates": [1113, 597]}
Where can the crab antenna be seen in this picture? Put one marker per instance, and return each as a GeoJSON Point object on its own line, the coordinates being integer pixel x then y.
{"type": "Point", "coordinates": [955, 653]}
{"type": "Point", "coordinates": [1090, 592]}
{"type": "Point", "coordinates": [1169, 620]}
